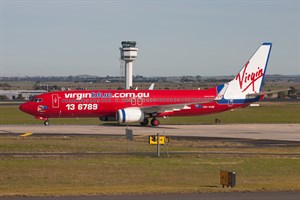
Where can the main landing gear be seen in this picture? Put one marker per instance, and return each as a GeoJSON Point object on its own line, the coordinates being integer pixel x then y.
{"type": "Point", "coordinates": [154, 122]}
{"type": "Point", "coordinates": [145, 122]}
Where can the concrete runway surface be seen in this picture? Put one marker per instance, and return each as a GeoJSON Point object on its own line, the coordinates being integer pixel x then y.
{"type": "Point", "coordinates": [283, 132]}
{"type": "Point", "coordinates": [205, 196]}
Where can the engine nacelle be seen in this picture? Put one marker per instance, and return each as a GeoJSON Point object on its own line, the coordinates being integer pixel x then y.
{"type": "Point", "coordinates": [107, 119]}
{"type": "Point", "coordinates": [130, 115]}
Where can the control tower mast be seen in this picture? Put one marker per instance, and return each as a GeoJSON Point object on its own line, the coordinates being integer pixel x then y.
{"type": "Point", "coordinates": [128, 54]}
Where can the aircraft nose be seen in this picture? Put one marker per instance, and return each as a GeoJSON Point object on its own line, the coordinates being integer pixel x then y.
{"type": "Point", "coordinates": [25, 107]}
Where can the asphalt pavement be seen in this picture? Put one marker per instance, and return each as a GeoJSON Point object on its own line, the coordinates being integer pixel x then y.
{"type": "Point", "coordinates": [203, 196]}
{"type": "Point", "coordinates": [283, 132]}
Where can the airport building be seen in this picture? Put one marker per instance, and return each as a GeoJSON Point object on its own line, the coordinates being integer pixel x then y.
{"type": "Point", "coordinates": [19, 94]}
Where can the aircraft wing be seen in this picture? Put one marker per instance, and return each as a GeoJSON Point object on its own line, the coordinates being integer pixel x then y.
{"type": "Point", "coordinates": [164, 108]}
{"type": "Point", "coordinates": [181, 106]}
{"type": "Point", "coordinates": [171, 107]}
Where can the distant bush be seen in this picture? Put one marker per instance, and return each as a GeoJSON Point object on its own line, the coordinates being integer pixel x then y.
{"type": "Point", "coordinates": [5, 85]}
{"type": "Point", "coordinates": [3, 98]}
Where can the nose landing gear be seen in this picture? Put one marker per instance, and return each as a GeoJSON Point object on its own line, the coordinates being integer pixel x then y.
{"type": "Point", "coordinates": [46, 123]}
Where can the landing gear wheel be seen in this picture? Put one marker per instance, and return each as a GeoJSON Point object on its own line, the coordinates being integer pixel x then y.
{"type": "Point", "coordinates": [145, 122]}
{"type": "Point", "coordinates": [155, 122]}
{"type": "Point", "coordinates": [46, 123]}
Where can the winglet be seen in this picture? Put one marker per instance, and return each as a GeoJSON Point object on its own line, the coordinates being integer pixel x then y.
{"type": "Point", "coordinates": [151, 86]}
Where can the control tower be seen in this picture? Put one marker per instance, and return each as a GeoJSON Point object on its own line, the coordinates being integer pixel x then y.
{"type": "Point", "coordinates": [128, 54]}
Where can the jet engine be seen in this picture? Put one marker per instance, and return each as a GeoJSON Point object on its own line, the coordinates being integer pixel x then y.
{"type": "Point", "coordinates": [130, 115]}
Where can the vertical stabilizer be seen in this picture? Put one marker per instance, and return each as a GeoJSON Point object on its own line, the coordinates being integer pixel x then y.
{"type": "Point", "coordinates": [250, 79]}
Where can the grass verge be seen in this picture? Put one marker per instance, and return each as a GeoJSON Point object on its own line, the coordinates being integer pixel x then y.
{"type": "Point", "coordinates": [136, 174]}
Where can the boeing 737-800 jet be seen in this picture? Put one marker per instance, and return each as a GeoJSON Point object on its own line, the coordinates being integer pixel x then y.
{"type": "Point", "coordinates": [139, 106]}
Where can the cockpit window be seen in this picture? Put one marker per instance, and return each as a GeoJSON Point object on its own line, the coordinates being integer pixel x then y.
{"type": "Point", "coordinates": [37, 100]}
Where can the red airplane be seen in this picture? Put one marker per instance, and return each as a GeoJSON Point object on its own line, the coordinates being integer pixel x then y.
{"type": "Point", "coordinates": [126, 106]}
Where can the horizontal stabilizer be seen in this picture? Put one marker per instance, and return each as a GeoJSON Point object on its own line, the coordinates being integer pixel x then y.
{"type": "Point", "coordinates": [253, 95]}
{"type": "Point", "coordinates": [221, 93]}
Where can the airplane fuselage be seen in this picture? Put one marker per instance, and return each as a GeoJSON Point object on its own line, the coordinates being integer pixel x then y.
{"type": "Point", "coordinates": [126, 106]}
{"type": "Point", "coordinates": [106, 103]}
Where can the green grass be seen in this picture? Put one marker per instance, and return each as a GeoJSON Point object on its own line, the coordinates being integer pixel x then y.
{"type": "Point", "coordinates": [134, 174]}
{"type": "Point", "coordinates": [127, 174]}
{"type": "Point", "coordinates": [81, 144]}
{"type": "Point", "coordinates": [266, 113]}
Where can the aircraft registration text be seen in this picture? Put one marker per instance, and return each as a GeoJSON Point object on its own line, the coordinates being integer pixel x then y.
{"type": "Point", "coordinates": [82, 106]}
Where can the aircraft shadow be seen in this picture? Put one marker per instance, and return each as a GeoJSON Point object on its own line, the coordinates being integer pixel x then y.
{"type": "Point", "coordinates": [134, 125]}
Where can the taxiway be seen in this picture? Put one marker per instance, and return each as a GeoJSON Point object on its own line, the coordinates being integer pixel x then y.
{"type": "Point", "coordinates": [280, 132]}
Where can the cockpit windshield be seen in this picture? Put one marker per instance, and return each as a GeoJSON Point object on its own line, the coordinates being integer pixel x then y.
{"type": "Point", "coordinates": [37, 100]}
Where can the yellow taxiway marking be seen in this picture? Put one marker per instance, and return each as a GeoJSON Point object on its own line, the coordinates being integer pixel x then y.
{"type": "Point", "coordinates": [26, 134]}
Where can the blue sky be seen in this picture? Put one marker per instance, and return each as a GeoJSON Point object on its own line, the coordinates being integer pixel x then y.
{"type": "Point", "coordinates": [175, 38]}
